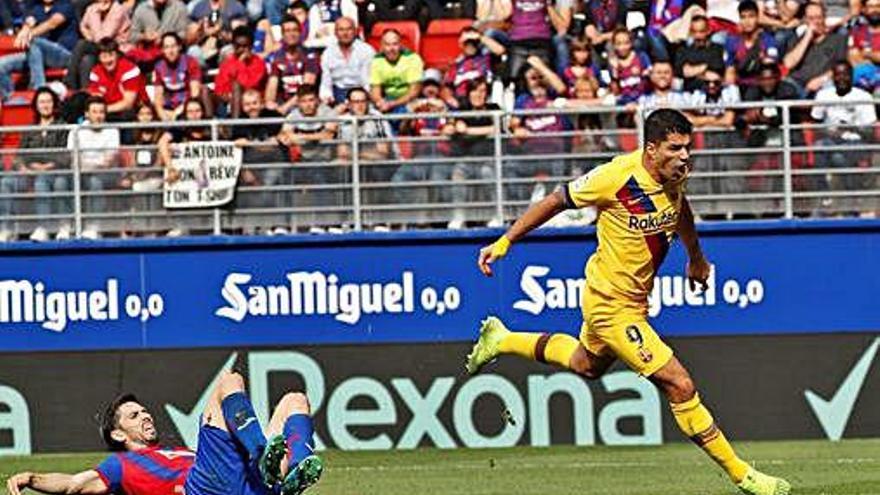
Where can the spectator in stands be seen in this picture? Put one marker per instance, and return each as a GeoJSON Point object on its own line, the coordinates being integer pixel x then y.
{"type": "Point", "coordinates": [864, 52]}
{"type": "Point", "coordinates": [698, 54]}
{"type": "Point", "coordinates": [308, 130]}
{"type": "Point", "coordinates": [580, 64]}
{"type": "Point", "coordinates": [98, 151]}
{"type": "Point", "coordinates": [358, 104]}
{"type": "Point", "coordinates": [780, 16]}
{"type": "Point", "coordinates": [474, 62]}
{"type": "Point", "coordinates": [49, 170]}
{"type": "Point", "coordinates": [299, 9]}
{"type": "Point", "coordinates": [473, 140]}
{"type": "Point", "coordinates": [211, 26]}
{"type": "Point", "coordinates": [261, 147]}
{"type": "Point", "coordinates": [240, 71]}
{"type": "Point", "coordinates": [602, 17]}
{"type": "Point", "coordinates": [11, 14]}
{"type": "Point", "coordinates": [531, 33]}
{"type": "Point", "coordinates": [542, 86]}
{"type": "Point", "coordinates": [47, 36]}
{"type": "Point", "coordinates": [118, 81]}
{"type": "Point", "coordinates": [628, 72]}
{"type": "Point", "coordinates": [560, 14]}
{"type": "Point", "coordinates": [142, 177]}
{"type": "Point", "coordinates": [194, 111]}
{"type": "Point", "coordinates": [850, 124]}
{"type": "Point", "coordinates": [668, 23]}
{"type": "Point", "coordinates": [177, 78]}
{"type": "Point", "coordinates": [716, 116]}
{"type": "Point", "coordinates": [810, 57]}
{"type": "Point", "coordinates": [762, 124]}
{"type": "Point", "coordinates": [432, 142]}
{"type": "Point", "coordinates": [345, 64]}
{"type": "Point", "coordinates": [745, 51]}
{"type": "Point", "coordinates": [151, 20]}
{"type": "Point", "coordinates": [103, 19]}
{"type": "Point", "coordinates": [291, 67]}
{"type": "Point", "coordinates": [662, 94]}
{"type": "Point", "coordinates": [493, 19]}
{"type": "Point", "coordinates": [395, 75]}
{"type": "Point", "coordinates": [322, 21]}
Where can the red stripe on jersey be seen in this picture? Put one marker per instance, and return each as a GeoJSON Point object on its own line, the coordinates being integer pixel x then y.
{"type": "Point", "coordinates": [658, 246]}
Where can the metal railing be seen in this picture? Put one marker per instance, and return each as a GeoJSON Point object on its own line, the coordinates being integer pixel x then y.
{"type": "Point", "coordinates": [437, 178]}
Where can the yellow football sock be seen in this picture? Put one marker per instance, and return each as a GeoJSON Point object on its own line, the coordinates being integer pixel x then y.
{"type": "Point", "coordinates": [546, 348]}
{"type": "Point", "coordinates": [520, 343]}
{"type": "Point", "coordinates": [696, 422]}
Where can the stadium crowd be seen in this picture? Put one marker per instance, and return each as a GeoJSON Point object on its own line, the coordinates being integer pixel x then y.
{"type": "Point", "coordinates": [98, 61]}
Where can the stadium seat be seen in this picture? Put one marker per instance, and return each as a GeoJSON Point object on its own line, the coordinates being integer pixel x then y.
{"type": "Point", "coordinates": [14, 114]}
{"type": "Point", "coordinates": [409, 32]}
{"type": "Point", "coordinates": [52, 74]}
{"type": "Point", "coordinates": [6, 45]}
{"type": "Point", "coordinates": [440, 44]}
{"type": "Point", "coordinates": [629, 141]}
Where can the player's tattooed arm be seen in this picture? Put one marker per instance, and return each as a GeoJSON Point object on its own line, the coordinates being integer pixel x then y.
{"type": "Point", "coordinates": [85, 483]}
{"type": "Point", "coordinates": [698, 268]}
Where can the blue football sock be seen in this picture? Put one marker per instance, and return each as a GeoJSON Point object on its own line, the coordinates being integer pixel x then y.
{"type": "Point", "coordinates": [298, 431]}
{"type": "Point", "coordinates": [242, 423]}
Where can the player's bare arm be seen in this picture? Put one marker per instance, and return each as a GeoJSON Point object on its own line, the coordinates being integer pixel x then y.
{"type": "Point", "coordinates": [85, 483]}
{"type": "Point", "coordinates": [698, 268]}
{"type": "Point", "coordinates": [534, 217]}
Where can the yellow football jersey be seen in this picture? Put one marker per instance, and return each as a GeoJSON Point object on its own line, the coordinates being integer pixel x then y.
{"type": "Point", "coordinates": [637, 220]}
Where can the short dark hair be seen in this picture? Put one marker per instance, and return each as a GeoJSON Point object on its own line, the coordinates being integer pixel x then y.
{"type": "Point", "coordinates": [298, 4]}
{"type": "Point", "coordinates": [106, 45]}
{"type": "Point", "coordinates": [307, 90]}
{"type": "Point", "coordinates": [621, 30]}
{"type": "Point", "coordinates": [356, 89]}
{"type": "Point", "coordinates": [93, 100]}
{"type": "Point", "coordinates": [109, 421]}
{"type": "Point", "coordinates": [845, 62]}
{"type": "Point", "coordinates": [699, 18]}
{"type": "Point", "coordinates": [770, 66]}
{"type": "Point", "coordinates": [243, 31]}
{"type": "Point", "coordinates": [176, 37]}
{"type": "Point", "coordinates": [473, 84]}
{"type": "Point", "coordinates": [747, 6]}
{"type": "Point", "coordinates": [290, 18]}
{"type": "Point", "coordinates": [665, 121]}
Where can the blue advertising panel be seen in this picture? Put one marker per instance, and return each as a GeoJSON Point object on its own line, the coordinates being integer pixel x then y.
{"type": "Point", "coordinates": [768, 278]}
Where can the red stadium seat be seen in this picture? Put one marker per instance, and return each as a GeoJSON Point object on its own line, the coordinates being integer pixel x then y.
{"type": "Point", "coordinates": [409, 32]}
{"type": "Point", "coordinates": [14, 114]}
{"type": "Point", "coordinates": [18, 113]}
{"type": "Point", "coordinates": [52, 74]}
{"type": "Point", "coordinates": [629, 141]}
{"type": "Point", "coordinates": [6, 45]}
{"type": "Point", "coordinates": [440, 44]}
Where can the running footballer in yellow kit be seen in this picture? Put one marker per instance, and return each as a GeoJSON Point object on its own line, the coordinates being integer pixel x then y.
{"type": "Point", "coordinates": [641, 202]}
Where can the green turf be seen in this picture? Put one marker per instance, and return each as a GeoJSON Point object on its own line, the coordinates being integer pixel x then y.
{"type": "Point", "coordinates": [850, 467]}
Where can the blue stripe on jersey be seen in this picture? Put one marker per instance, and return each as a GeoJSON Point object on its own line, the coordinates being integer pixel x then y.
{"type": "Point", "coordinates": [152, 467]}
{"type": "Point", "coordinates": [111, 471]}
{"type": "Point", "coordinates": [636, 191]}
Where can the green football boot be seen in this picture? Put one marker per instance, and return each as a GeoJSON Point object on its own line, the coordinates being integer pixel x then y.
{"type": "Point", "coordinates": [485, 350]}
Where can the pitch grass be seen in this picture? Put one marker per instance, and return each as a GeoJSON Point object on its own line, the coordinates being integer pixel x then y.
{"type": "Point", "coordinates": [850, 467]}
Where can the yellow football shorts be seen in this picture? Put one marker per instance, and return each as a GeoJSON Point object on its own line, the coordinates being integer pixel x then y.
{"type": "Point", "coordinates": [623, 333]}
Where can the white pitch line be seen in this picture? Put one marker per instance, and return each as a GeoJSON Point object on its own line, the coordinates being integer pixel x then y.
{"type": "Point", "coordinates": [489, 464]}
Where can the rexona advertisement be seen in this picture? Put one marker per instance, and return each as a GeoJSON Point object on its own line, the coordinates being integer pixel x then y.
{"type": "Point", "coordinates": [361, 289]}
{"type": "Point", "coordinates": [402, 396]}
